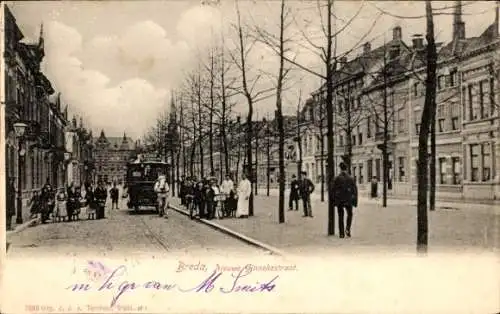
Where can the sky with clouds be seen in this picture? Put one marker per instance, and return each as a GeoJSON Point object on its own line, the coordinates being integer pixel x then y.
{"type": "Point", "coordinates": [115, 63]}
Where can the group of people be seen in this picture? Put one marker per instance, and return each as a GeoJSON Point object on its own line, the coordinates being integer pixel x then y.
{"type": "Point", "coordinates": [206, 194]}
{"type": "Point", "coordinates": [67, 203]}
{"type": "Point", "coordinates": [301, 189]}
{"type": "Point", "coordinates": [345, 197]}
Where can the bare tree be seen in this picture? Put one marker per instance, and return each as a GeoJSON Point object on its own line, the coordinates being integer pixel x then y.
{"type": "Point", "coordinates": [428, 114]}
{"type": "Point", "coordinates": [247, 89]}
{"type": "Point", "coordinates": [328, 55]}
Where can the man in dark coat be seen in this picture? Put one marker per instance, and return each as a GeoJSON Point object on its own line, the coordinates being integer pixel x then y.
{"type": "Point", "coordinates": [47, 201]}
{"type": "Point", "coordinates": [294, 193]}
{"type": "Point", "coordinates": [306, 189]}
{"type": "Point", "coordinates": [100, 195]}
{"type": "Point", "coordinates": [345, 198]}
{"type": "Point", "coordinates": [199, 197]}
{"type": "Point", "coordinates": [182, 190]}
{"type": "Point", "coordinates": [114, 193]}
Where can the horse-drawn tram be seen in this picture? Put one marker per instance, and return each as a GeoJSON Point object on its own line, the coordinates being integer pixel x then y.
{"type": "Point", "coordinates": [141, 177]}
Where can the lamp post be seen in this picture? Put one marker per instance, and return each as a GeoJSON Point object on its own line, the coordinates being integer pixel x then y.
{"type": "Point", "coordinates": [19, 129]}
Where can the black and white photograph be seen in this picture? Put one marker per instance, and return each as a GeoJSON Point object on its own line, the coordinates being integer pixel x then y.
{"type": "Point", "coordinates": [239, 140]}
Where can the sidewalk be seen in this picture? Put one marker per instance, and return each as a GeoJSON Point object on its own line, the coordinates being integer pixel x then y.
{"type": "Point", "coordinates": [375, 228]}
{"type": "Point", "coordinates": [486, 205]}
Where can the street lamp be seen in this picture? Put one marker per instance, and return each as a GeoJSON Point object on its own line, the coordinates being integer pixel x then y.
{"type": "Point", "coordinates": [19, 129]}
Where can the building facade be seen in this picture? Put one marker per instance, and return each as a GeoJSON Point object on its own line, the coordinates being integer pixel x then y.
{"type": "Point", "coordinates": [111, 155]}
{"type": "Point", "coordinates": [30, 160]}
{"type": "Point", "coordinates": [467, 121]}
{"type": "Point", "coordinates": [39, 155]}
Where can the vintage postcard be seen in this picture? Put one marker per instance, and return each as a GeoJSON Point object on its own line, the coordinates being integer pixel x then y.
{"type": "Point", "coordinates": [260, 156]}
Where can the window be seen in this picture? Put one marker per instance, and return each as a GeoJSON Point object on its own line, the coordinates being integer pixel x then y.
{"type": "Point", "coordinates": [401, 169]}
{"type": "Point", "coordinates": [401, 121]}
{"type": "Point", "coordinates": [441, 125]}
{"type": "Point", "coordinates": [442, 170]}
{"type": "Point", "coordinates": [484, 99]}
{"type": "Point", "coordinates": [354, 173]}
{"type": "Point", "coordinates": [415, 88]}
{"type": "Point", "coordinates": [486, 152]}
{"type": "Point", "coordinates": [417, 128]}
{"type": "Point", "coordinates": [454, 123]}
{"type": "Point", "coordinates": [361, 179]}
{"type": "Point", "coordinates": [341, 140]}
{"type": "Point", "coordinates": [311, 114]}
{"type": "Point", "coordinates": [441, 82]}
{"type": "Point", "coordinates": [353, 143]}
{"type": "Point", "coordinates": [455, 163]}
{"type": "Point", "coordinates": [492, 96]}
{"type": "Point", "coordinates": [360, 136]}
{"type": "Point", "coordinates": [340, 106]}
{"type": "Point", "coordinates": [369, 168]}
{"type": "Point", "coordinates": [474, 160]}
{"type": "Point", "coordinates": [469, 97]}
{"type": "Point", "coordinates": [369, 127]}
{"type": "Point", "coordinates": [484, 112]}
{"type": "Point", "coordinates": [453, 78]}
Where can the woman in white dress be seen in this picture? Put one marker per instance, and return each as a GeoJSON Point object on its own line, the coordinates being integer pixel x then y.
{"type": "Point", "coordinates": [244, 191]}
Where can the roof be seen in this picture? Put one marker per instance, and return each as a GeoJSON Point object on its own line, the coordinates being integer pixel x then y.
{"type": "Point", "coordinates": [115, 143]}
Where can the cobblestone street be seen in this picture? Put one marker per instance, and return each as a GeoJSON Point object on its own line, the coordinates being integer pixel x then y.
{"type": "Point", "coordinates": [375, 228]}
{"type": "Point", "coordinates": [123, 232]}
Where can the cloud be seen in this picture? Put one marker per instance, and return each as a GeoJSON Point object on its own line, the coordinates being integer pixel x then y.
{"type": "Point", "coordinates": [113, 106]}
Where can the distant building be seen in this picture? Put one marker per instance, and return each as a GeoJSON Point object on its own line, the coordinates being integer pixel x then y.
{"type": "Point", "coordinates": [111, 155]}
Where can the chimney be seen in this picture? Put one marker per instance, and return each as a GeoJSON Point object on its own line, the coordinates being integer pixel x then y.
{"type": "Point", "coordinates": [396, 33]}
{"type": "Point", "coordinates": [458, 23]}
{"type": "Point", "coordinates": [394, 51]}
{"type": "Point", "coordinates": [367, 47]}
{"type": "Point", "coordinates": [418, 41]}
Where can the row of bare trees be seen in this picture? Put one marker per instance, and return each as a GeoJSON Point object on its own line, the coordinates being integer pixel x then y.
{"type": "Point", "coordinates": [225, 76]}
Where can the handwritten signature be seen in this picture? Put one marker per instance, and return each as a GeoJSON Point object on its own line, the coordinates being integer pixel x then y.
{"type": "Point", "coordinates": [207, 285]}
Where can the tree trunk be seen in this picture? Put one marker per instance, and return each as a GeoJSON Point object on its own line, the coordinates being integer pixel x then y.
{"type": "Point", "coordinates": [329, 116]}
{"type": "Point", "coordinates": [279, 114]}
{"type": "Point", "coordinates": [268, 162]}
{"type": "Point", "coordinates": [256, 161]}
{"type": "Point", "coordinates": [432, 165]}
{"type": "Point", "coordinates": [422, 166]}
{"type": "Point", "coordinates": [211, 127]}
{"type": "Point", "coordinates": [385, 157]}
{"type": "Point", "coordinates": [221, 159]}
{"type": "Point", "coordinates": [177, 168]}
{"type": "Point", "coordinates": [191, 160]}
{"type": "Point", "coordinates": [238, 158]}
{"type": "Point", "coordinates": [322, 163]}
{"type": "Point", "coordinates": [249, 167]}
{"type": "Point", "coordinates": [172, 172]}
{"type": "Point", "coordinates": [299, 144]}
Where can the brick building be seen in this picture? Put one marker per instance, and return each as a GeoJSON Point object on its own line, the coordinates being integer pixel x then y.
{"type": "Point", "coordinates": [27, 99]}
{"type": "Point", "coordinates": [111, 155]}
{"type": "Point", "coordinates": [467, 121]}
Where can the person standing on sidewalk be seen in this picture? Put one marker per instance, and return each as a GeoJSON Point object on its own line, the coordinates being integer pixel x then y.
{"type": "Point", "coordinates": [345, 198]}
{"type": "Point", "coordinates": [306, 189]}
{"type": "Point", "coordinates": [114, 193]}
{"type": "Point", "coordinates": [244, 191]}
{"type": "Point", "coordinates": [100, 196]}
{"type": "Point", "coordinates": [227, 188]}
{"type": "Point", "coordinates": [374, 186]}
{"type": "Point", "coordinates": [294, 194]}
